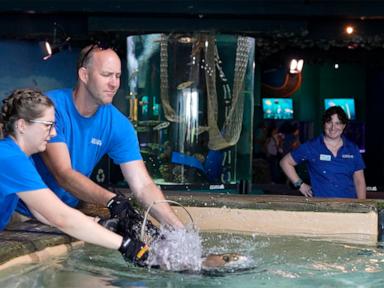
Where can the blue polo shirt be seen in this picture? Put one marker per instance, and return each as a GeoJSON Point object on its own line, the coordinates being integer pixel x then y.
{"type": "Point", "coordinates": [17, 174]}
{"type": "Point", "coordinates": [88, 139]}
{"type": "Point", "coordinates": [330, 176]}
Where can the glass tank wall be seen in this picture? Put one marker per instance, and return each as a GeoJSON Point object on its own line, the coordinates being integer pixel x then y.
{"type": "Point", "coordinates": [190, 100]}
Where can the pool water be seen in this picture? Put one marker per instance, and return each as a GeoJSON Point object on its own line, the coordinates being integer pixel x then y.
{"type": "Point", "coordinates": [275, 262]}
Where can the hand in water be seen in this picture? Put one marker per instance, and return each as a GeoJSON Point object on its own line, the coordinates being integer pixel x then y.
{"type": "Point", "coordinates": [134, 251]}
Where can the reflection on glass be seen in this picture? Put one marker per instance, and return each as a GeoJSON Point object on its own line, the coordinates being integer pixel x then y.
{"type": "Point", "coordinates": [187, 102]}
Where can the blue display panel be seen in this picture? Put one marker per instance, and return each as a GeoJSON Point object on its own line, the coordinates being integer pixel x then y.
{"type": "Point", "coordinates": [348, 105]}
{"type": "Point", "coordinates": [277, 108]}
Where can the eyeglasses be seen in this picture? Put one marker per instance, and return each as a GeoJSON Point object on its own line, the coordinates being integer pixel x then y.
{"type": "Point", "coordinates": [97, 45]}
{"type": "Point", "coordinates": [48, 124]}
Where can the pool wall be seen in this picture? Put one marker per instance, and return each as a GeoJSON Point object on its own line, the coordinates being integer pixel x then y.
{"type": "Point", "coordinates": [345, 220]}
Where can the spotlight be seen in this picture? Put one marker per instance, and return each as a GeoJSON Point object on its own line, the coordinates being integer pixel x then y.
{"type": "Point", "coordinates": [48, 49]}
{"type": "Point", "coordinates": [293, 66]}
{"type": "Point", "coordinates": [349, 29]}
{"type": "Point", "coordinates": [300, 64]}
{"type": "Point", "coordinates": [296, 66]}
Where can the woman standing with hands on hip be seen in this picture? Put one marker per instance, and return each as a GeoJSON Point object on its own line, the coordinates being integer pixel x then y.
{"type": "Point", "coordinates": [28, 122]}
{"type": "Point", "coordinates": [335, 165]}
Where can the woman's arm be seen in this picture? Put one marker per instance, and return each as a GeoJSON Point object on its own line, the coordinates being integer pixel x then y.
{"type": "Point", "coordinates": [360, 186]}
{"type": "Point", "coordinates": [51, 210]}
{"type": "Point", "coordinates": [288, 166]}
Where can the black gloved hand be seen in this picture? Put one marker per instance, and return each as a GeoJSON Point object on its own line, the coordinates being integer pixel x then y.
{"type": "Point", "coordinates": [111, 224]}
{"type": "Point", "coordinates": [133, 226]}
{"type": "Point", "coordinates": [134, 251]}
{"type": "Point", "coordinates": [119, 206]}
{"type": "Point", "coordinates": [130, 220]}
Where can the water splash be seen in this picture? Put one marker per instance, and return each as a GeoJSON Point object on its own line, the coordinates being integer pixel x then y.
{"type": "Point", "coordinates": [176, 250]}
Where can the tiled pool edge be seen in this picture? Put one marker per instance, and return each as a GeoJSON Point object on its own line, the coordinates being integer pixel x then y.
{"type": "Point", "coordinates": [42, 255]}
{"type": "Point", "coordinates": [30, 242]}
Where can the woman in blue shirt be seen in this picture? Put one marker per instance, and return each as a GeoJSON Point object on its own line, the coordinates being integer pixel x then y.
{"type": "Point", "coordinates": [335, 165]}
{"type": "Point", "coordinates": [28, 122]}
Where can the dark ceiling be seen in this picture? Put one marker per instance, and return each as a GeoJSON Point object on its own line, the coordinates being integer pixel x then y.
{"type": "Point", "coordinates": [30, 17]}
{"type": "Point", "coordinates": [275, 23]}
{"type": "Point", "coordinates": [343, 8]}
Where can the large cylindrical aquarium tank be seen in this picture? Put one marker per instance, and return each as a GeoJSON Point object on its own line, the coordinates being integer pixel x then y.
{"type": "Point", "coordinates": [191, 102]}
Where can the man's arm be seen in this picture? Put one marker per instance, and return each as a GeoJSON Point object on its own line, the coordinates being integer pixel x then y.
{"type": "Point", "coordinates": [360, 186]}
{"type": "Point", "coordinates": [58, 161]}
{"type": "Point", "coordinates": [146, 191]}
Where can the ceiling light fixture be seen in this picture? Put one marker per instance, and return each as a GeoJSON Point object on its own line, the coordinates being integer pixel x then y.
{"type": "Point", "coordinates": [58, 44]}
{"type": "Point", "coordinates": [296, 66]}
{"type": "Point", "coordinates": [349, 30]}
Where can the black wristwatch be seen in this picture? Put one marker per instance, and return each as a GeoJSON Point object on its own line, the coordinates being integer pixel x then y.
{"type": "Point", "coordinates": [298, 184]}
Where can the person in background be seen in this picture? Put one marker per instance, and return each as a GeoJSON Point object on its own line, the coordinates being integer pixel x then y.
{"type": "Point", "coordinates": [28, 122]}
{"type": "Point", "coordinates": [88, 127]}
{"type": "Point", "coordinates": [259, 141]}
{"type": "Point", "coordinates": [335, 165]}
{"type": "Point", "coordinates": [273, 148]}
{"type": "Point", "coordinates": [291, 133]}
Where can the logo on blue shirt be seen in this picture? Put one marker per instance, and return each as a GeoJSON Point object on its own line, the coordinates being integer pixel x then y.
{"type": "Point", "coordinates": [349, 156]}
{"type": "Point", "coordinates": [96, 141]}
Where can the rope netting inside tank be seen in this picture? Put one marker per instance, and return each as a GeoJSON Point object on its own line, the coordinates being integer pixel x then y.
{"type": "Point", "coordinates": [169, 112]}
{"type": "Point", "coordinates": [229, 134]}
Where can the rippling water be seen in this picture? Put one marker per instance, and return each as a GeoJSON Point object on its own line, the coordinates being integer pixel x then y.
{"type": "Point", "coordinates": [276, 262]}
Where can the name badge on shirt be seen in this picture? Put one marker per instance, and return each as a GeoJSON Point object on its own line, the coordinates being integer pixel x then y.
{"type": "Point", "coordinates": [324, 157]}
